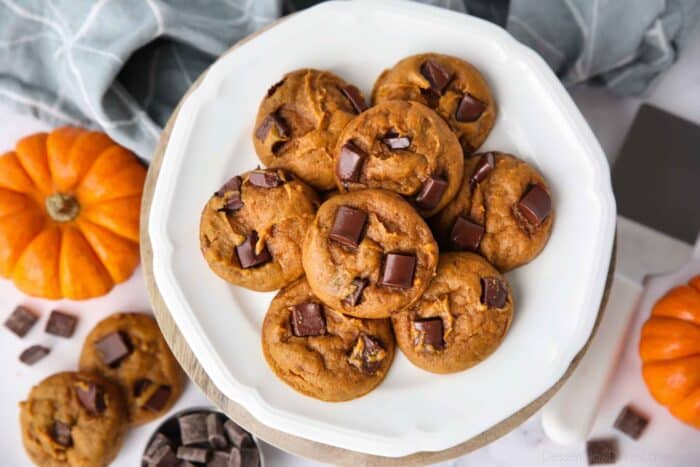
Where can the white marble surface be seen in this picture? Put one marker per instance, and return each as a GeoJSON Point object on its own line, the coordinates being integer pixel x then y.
{"type": "Point", "coordinates": [641, 251]}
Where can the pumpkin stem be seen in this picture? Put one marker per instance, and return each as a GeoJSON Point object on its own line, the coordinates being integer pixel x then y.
{"type": "Point", "coordinates": [62, 208]}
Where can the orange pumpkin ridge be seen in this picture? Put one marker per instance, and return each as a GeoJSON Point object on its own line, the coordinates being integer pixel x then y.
{"type": "Point", "coordinates": [69, 209]}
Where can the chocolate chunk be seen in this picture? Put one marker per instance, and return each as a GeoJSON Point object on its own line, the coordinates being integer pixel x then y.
{"type": "Point", "coordinates": [21, 321]}
{"type": "Point", "coordinates": [158, 399]}
{"type": "Point", "coordinates": [60, 432]}
{"type": "Point", "coordinates": [271, 90]}
{"type": "Point", "coordinates": [163, 456]}
{"type": "Point", "coordinates": [140, 386]}
{"type": "Point", "coordinates": [431, 193]}
{"type": "Point", "coordinates": [234, 184]}
{"type": "Point", "coordinates": [355, 97]}
{"type": "Point", "coordinates": [466, 235]}
{"type": "Point", "coordinates": [234, 459]}
{"type": "Point", "coordinates": [631, 422]}
{"type": "Point", "coordinates": [469, 109]}
{"type": "Point", "coordinates": [219, 459]}
{"type": "Point", "coordinates": [249, 457]}
{"type": "Point", "coordinates": [237, 435]}
{"type": "Point", "coordinates": [215, 431]}
{"type": "Point", "coordinates": [493, 292]}
{"type": "Point", "coordinates": [349, 162]}
{"type": "Point", "coordinates": [394, 141]}
{"type": "Point", "coordinates": [91, 397]}
{"type": "Point", "coordinates": [372, 354]}
{"type": "Point", "coordinates": [356, 296]}
{"type": "Point", "coordinates": [113, 348]}
{"type": "Point", "coordinates": [432, 99]}
{"type": "Point", "coordinates": [61, 324]}
{"type": "Point", "coordinates": [278, 146]}
{"type": "Point", "coordinates": [192, 454]}
{"type": "Point", "coordinates": [431, 332]}
{"type": "Point", "coordinates": [233, 204]}
{"type": "Point", "coordinates": [153, 451]}
{"type": "Point", "coordinates": [264, 179]}
{"type": "Point", "coordinates": [601, 451]}
{"type": "Point", "coordinates": [193, 428]}
{"type": "Point", "coordinates": [486, 164]}
{"type": "Point", "coordinates": [348, 226]}
{"type": "Point", "coordinates": [272, 120]}
{"type": "Point", "coordinates": [308, 320]}
{"type": "Point", "coordinates": [33, 354]}
{"type": "Point", "coordinates": [398, 271]}
{"type": "Point", "coordinates": [436, 74]}
{"type": "Point", "coordinates": [535, 205]}
{"type": "Point", "coordinates": [247, 257]}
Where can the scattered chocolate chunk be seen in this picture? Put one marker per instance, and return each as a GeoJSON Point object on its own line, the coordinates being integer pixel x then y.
{"type": "Point", "coordinates": [631, 422]}
{"type": "Point", "coordinates": [215, 431]}
{"type": "Point", "coordinates": [33, 354]}
{"type": "Point", "coordinates": [234, 184]}
{"type": "Point", "coordinates": [355, 297]}
{"type": "Point", "coordinates": [535, 205]}
{"type": "Point", "coordinates": [469, 109]}
{"type": "Point", "coordinates": [113, 348]}
{"type": "Point", "coordinates": [601, 451]}
{"type": "Point", "coordinates": [486, 164]}
{"type": "Point", "coordinates": [249, 457]}
{"type": "Point", "coordinates": [21, 321]}
{"type": "Point", "coordinates": [398, 271]}
{"type": "Point", "coordinates": [493, 292]}
{"type": "Point", "coordinates": [193, 428]}
{"type": "Point", "coordinates": [271, 90]}
{"type": "Point", "coordinates": [394, 141]}
{"type": "Point", "coordinates": [349, 162]}
{"type": "Point", "coordinates": [436, 74]}
{"type": "Point", "coordinates": [187, 453]}
{"type": "Point", "coordinates": [158, 399]}
{"type": "Point", "coordinates": [247, 257]}
{"type": "Point", "coordinates": [431, 332]}
{"type": "Point", "coordinates": [272, 120]}
{"type": "Point", "coordinates": [432, 99]}
{"type": "Point", "coordinates": [60, 432]}
{"type": "Point", "coordinates": [355, 97]}
{"type": "Point", "coordinates": [466, 235]}
{"type": "Point", "coordinates": [91, 397]}
{"type": "Point", "coordinates": [264, 179]}
{"type": "Point", "coordinates": [153, 449]}
{"type": "Point", "coordinates": [219, 459]}
{"type": "Point", "coordinates": [348, 226]}
{"type": "Point", "coordinates": [140, 386]}
{"type": "Point", "coordinates": [308, 320]}
{"type": "Point", "coordinates": [61, 324]}
{"type": "Point", "coordinates": [237, 435]}
{"type": "Point", "coordinates": [431, 193]}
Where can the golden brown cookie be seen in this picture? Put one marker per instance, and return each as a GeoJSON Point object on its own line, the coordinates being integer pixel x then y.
{"type": "Point", "coordinates": [322, 353]}
{"type": "Point", "coordinates": [451, 86]}
{"type": "Point", "coordinates": [460, 319]}
{"type": "Point", "coordinates": [404, 147]}
{"type": "Point", "coordinates": [73, 419]}
{"type": "Point", "coordinates": [129, 349]}
{"type": "Point", "coordinates": [252, 229]}
{"type": "Point", "coordinates": [503, 211]}
{"type": "Point", "coordinates": [368, 253]}
{"type": "Point", "coordinates": [299, 121]}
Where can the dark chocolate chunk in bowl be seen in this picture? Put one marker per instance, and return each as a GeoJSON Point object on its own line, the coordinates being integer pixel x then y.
{"type": "Point", "coordinates": [21, 320]}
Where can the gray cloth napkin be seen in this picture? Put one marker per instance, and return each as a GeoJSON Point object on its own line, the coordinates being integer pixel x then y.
{"type": "Point", "coordinates": [123, 65]}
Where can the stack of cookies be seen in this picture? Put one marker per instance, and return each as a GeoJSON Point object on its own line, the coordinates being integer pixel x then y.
{"type": "Point", "coordinates": [381, 225]}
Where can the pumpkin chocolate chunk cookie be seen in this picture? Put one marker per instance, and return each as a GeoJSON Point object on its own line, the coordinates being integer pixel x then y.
{"type": "Point", "coordinates": [403, 147]}
{"type": "Point", "coordinates": [460, 319]}
{"type": "Point", "coordinates": [129, 349]}
{"type": "Point", "coordinates": [368, 253]}
{"type": "Point", "coordinates": [451, 86]}
{"type": "Point", "coordinates": [73, 419]}
{"type": "Point", "coordinates": [252, 229]}
{"type": "Point", "coordinates": [502, 211]}
{"type": "Point", "coordinates": [322, 353]}
{"type": "Point", "coordinates": [299, 121]}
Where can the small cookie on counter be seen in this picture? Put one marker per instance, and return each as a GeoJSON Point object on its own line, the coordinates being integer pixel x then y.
{"type": "Point", "coordinates": [403, 147]}
{"type": "Point", "coordinates": [74, 420]}
{"type": "Point", "coordinates": [503, 211]}
{"type": "Point", "coordinates": [451, 86]}
{"type": "Point", "coordinates": [369, 253]}
{"type": "Point", "coordinates": [460, 319]}
{"type": "Point", "coordinates": [129, 349]}
{"type": "Point", "coordinates": [252, 229]}
{"type": "Point", "coordinates": [322, 353]}
{"type": "Point", "coordinates": [299, 121]}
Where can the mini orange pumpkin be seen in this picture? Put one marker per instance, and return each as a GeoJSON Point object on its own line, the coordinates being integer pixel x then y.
{"type": "Point", "coordinates": [69, 214]}
{"type": "Point", "coordinates": [670, 349]}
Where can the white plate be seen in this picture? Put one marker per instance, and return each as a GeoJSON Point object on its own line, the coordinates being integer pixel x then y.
{"type": "Point", "coordinates": [557, 295]}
